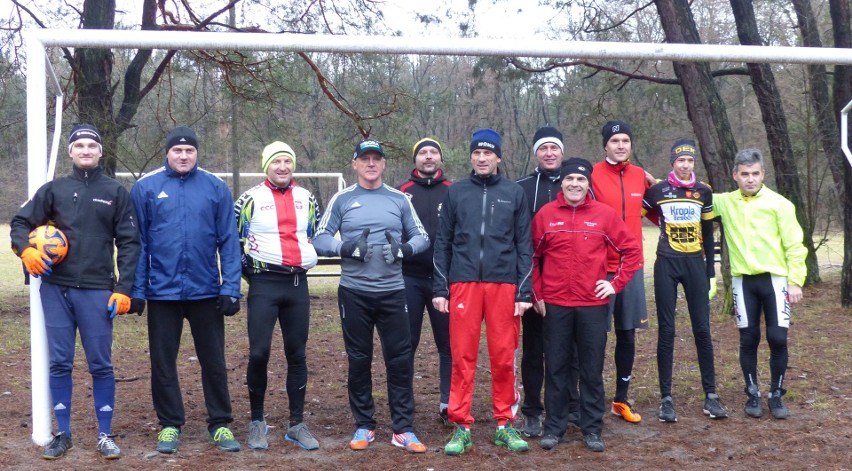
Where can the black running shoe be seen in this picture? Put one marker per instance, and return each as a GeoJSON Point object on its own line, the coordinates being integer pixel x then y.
{"type": "Point", "coordinates": [532, 426]}
{"type": "Point", "coordinates": [58, 446]}
{"type": "Point", "coordinates": [444, 415]}
{"type": "Point", "coordinates": [753, 406]}
{"type": "Point", "coordinates": [667, 410]}
{"type": "Point", "coordinates": [713, 407]}
{"type": "Point", "coordinates": [549, 442]}
{"type": "Point", "coordinates": [594, 442]}
{"type": "Point", "coordinates": [776, 405]}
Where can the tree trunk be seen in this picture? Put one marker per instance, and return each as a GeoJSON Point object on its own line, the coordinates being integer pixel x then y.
{"type": "Point", "coordinates": [775, 123]}
{"type": "Point", "coordinates": [92, 85]}
{"type": "Point", "coordinates": [827, 124]}
{"type": "Point", "coordinates": [841, 21]}
{"type": "Point", "coordinates": [705, 109]}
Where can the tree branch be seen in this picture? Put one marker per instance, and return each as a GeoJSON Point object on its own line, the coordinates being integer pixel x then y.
{"type": "Point", "coordinates": [551, 65]}
{"type": "Point", "coordinates": [331, 92]}
{"type": "Point", "coordinates": [619, 23]}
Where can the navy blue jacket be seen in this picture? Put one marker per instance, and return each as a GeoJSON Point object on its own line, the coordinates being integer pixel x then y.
{"type": "Point", "coordinates": [184, 222]}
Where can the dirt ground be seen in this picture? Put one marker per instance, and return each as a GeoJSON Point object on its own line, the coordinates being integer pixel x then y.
{"type": "Point", "coordinates": [816, 436]}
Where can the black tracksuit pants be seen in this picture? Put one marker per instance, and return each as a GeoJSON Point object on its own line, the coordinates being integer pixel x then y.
{"type": "Point", "coordinates": [692, 274]}
{"type": "Point", "coordinates": [418, 294]}
{"type": "Point", "coordinates": [566, 328]}
{"type": "Point", "coordinates": [532, 368]}
{"type": "Point", "coordinates": [361, 313]}
{"type": "Point", "coordinates": [165, 326]}
{"type": "Point", "coordinates": [283, 298]}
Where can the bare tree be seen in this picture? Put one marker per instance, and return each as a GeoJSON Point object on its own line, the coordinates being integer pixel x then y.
{"type": "Point", "coordinates": [705, 107]}
{"type": "Point", "coordinates": [841, 22]}
{"type": "Point", "coordinates": [775, 122]}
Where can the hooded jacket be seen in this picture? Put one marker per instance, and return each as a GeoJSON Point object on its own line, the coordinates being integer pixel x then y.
{"type": "Point", "coordinates": [484, 236]}
{"type": "Point", "coordinates": [426, 195]}
{"type": "Point", "coordinates": [570, 254]}
{"type": "Point", "coordinates": [185, 221]}
{"type": "Point", "coordinates": [95, 212]}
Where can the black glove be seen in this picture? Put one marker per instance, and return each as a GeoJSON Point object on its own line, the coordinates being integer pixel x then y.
{"type": "Point", "coordinates": [137, 305]}
{"type": "Point", "coordinates": [357, 249]}
{"type": "Point", "coordinates": [393, 251]}
{"type": "Point", "coordinates": [228, 305]}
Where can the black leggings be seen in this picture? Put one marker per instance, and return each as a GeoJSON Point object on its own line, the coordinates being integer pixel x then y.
{"type": "Point", "coordinates": [283, 298]}
{"type": "Point", "coordinates": [691, 273]}
{"type": "Point", "coordinates": [418, 296]}
{"type": "Point", "coordinates": [766, 293]}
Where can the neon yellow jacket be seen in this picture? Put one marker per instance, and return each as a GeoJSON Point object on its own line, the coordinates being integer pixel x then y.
{"type": "Point", "coordinates": [763, 234]}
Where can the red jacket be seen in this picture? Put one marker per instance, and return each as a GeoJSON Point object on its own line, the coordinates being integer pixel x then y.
{"type": "Point", "coordinates": [621, 187]}
{"type": "Point", "coordinates": [571, 252]}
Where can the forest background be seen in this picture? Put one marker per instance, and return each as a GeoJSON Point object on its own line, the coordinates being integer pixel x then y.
{"type": "Point", "coordinates": [322, 104]}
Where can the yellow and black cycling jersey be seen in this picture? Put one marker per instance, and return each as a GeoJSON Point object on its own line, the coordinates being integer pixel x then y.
{"type": "Point", "coordinates": [681, 212]}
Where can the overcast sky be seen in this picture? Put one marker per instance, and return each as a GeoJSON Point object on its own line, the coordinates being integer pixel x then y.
{"type": "Point", "coordinates": [503, 18]}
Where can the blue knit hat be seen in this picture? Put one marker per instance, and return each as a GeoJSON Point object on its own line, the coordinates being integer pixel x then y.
{"type": "Point", "coordinates": [488, 139]}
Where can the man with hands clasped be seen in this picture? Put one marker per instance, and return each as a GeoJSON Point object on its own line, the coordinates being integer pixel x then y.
{"type": "Point", "coordinates": [82, 293]}
{"type": "Point", "coordinates": [374, 217]}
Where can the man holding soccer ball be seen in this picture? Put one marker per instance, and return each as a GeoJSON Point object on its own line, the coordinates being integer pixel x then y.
{"type": "Point", "coordinates": [81, 293]}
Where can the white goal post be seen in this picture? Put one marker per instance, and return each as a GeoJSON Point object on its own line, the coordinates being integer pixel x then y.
{"type": "Point", "coordinates": [37, 40]}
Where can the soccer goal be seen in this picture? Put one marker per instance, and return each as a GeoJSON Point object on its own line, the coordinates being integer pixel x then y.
{"type": "Point", "coordinates": [38, 67]}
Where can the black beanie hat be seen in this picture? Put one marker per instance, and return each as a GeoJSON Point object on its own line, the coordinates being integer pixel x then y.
{"type": "Point", "coordinates": [545, 135]}
{"type": "Point", "coordinates": [427, 141]}
{"type": "Point", "coordinates": [612, 128]}
{"type": "Point", "coordinates": [682, 146]}
{"type": "Point", "coordinates": [577, 165]}
{"type": "Point", "coordinates": [181, 136]}
{"type": "Point", "coordinates": [84, 131]}
{"type": "Point", "coordinates": [488, 139]}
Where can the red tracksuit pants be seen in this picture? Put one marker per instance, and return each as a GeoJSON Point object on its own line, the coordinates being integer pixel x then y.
{"type": "Point", "coordinates": [470, 303]}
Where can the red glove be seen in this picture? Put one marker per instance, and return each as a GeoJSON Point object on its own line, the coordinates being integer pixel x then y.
{"type": "Point", "coordinates": [36, 263]}
{"type": "Point", "coordinates": [118, 304]}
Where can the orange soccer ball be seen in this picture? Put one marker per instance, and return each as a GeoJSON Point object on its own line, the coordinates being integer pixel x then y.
{"type": "Point", "coordinates": [50, 241]}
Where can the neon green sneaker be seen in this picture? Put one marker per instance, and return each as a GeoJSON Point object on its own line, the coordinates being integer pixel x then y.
{"type": "Point", "coordinates": [510, 438]}
{"type": "Point", "coordinates": [224, 439]}
{"type": "Point", "coordinates": [460, 442]}
{"type": "Point", "coordinates": [168, 440]}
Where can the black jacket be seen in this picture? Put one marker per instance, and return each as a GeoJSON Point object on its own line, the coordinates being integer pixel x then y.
{"type": "Point", "coordinates": [94, 211]}
{"type": "Point", "coordinates": [426, 195]}
{"type": "Point", "coordinates": [542, 186]}
{"type": "Point", "coordinates": [484, 236]}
